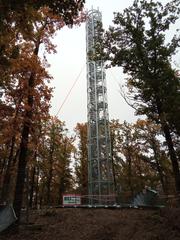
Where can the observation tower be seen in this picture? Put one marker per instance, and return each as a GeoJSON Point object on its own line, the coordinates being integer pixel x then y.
{"type": "Point", "coordinates": [100, 170]}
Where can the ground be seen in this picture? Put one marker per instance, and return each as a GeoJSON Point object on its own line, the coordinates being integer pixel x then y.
{"type": "Point", "coordinates": [100, 224]}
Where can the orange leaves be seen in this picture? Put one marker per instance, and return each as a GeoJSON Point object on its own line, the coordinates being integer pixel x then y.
{"type": "Point", "coordinates": [30, 31]}
{"type": "Point", "coordinates": [81, 18]}
{"type": "Point", "coordinates": [147, 125]}
{"type": "Point", "coordinates": [141, 122]}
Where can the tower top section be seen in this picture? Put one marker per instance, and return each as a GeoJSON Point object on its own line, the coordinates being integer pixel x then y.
{"type": "Point", "coordinates": [94, 17]}
{"type": "Point", "coordinates": [95, 12]}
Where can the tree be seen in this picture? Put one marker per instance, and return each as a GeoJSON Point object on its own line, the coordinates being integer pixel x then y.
{"type": "Point", "coordinates": [131, 171]}
{"type": "Point", "coordinates": [54, 159]}
{"type": "Point", "coordinates": [25, 77]}
{"type": "Point", "coordinates": [81, 164]}
{"type": "Point", "coordinates": [24, 27]}
{"type": "Point", "coordinates": [16, 17]}
{"type": "Point", "coordinates": [140, 158]}
{"type": "Point", "coordinates": [137, 43]}
{"type": "Point", "coordinates": [66, 10]}
{"type": "Point", "coordinates": [45, 27]}
{"type": "Point", "coordinates": [63, 171]}
{"type": "Point", "coordinates": [153, 151]}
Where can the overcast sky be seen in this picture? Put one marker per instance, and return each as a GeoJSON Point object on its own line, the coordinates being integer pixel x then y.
{"type": "Point", "coordinates": [70, 60]}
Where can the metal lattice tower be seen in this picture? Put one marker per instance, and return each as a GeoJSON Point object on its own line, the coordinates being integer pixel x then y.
{"type": "Point", "coordinates": [100, 172]}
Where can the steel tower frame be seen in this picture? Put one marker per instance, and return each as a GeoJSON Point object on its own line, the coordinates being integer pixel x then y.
{"type": "Point", "coordinates": [100, 171]}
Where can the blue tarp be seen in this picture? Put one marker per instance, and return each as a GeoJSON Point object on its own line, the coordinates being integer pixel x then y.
{"type": "Point", "coordinates": [145, 198]}
{"type": "Point", "coordinates": [7, 217]}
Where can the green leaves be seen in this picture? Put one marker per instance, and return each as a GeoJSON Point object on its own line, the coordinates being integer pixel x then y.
{"type": "Point", "coordinates": [137, 43]}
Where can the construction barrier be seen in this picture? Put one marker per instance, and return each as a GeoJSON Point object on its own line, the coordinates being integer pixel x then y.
{"type": "Point", "coordinates": [7, 217]}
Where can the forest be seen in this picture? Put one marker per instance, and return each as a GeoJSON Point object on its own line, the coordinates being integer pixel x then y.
{"type": "Point", "coordinates": [39, 160]}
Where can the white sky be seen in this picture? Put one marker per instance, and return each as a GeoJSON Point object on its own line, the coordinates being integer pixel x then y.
{"type": "Point", "coordinates": [69, 61]}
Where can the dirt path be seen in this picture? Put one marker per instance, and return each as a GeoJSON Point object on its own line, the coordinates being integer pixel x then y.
{"type": "Point", "coordinates": [101, 224]}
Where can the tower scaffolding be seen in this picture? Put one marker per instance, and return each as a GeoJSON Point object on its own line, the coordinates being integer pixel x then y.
{"type": "Point", "coordinates": [100, 171]}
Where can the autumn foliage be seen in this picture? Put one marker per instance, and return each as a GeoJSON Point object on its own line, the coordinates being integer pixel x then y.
{"type": "Point", "coordinates": [27, 34]}
{"type": "Point", "coordinates": [39, 159]}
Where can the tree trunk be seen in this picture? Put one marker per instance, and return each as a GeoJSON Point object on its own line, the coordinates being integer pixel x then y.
{"type": "Point", "coordinates": [172, 153]}
{"type": "Point", "coordinates": [129, 159]}
{"type": "Point", "coordinates": [3, 164]}
{"type": "Point", "coordinates": [161, 177]}
{"type": "Point", "coordinates": [23, 152]}
{"type": "Point", "coordinates": [49, 179]}
{"type": "Point", "coordinates": [2, 177]}
{"type": "Point", "coordinates": [31, 193]}
{"type": "Point", "coordinates": [49, 186]}
{"type": "Point", "coordinates": [36, 188]}
{"type": "Point", "coordinates": [10, 165]}
{"type": "Point", "coordinates": [15, 157]}
{"type": "Point", "coordinates": [21, 171]}
{"type": "Point", "coordinates": [113, 165]}
{"type": "Point", "coordinates": [159, 168]}
{"type": "Point", "coordinates": [7, 177]}
{"type": "Point", "coordinates": [24, 144]}
{"type": "Point", "coordinates": [61, 190]}
{"type": "Point", "coordinates": [174, 160]}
